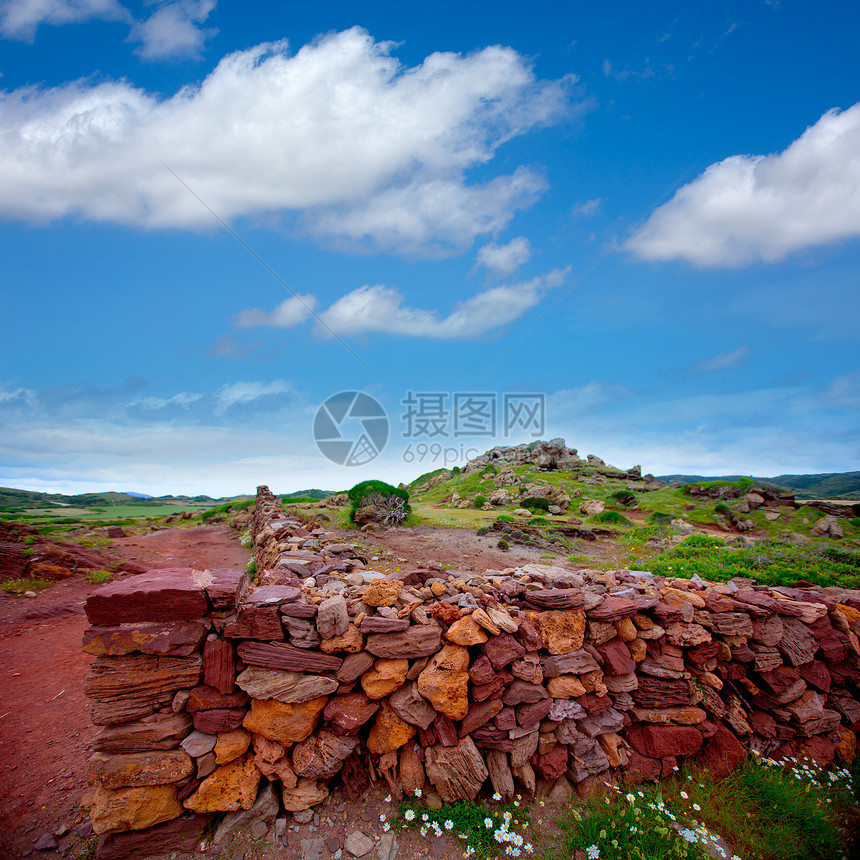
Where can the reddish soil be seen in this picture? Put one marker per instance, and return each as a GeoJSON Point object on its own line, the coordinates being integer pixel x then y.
{"type": "Point", "coordinates": [45, 731]}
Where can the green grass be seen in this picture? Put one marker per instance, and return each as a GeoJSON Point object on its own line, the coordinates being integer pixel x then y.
{"type": "Point", "coordinates": [482, 830]}
{"type": "Point", "coordinates": [97, 577]}
{"type": "Point", "coordinates": [763, 810]}
{"type": "Point", "coordinates": [611, 518]}
{"type": "Point", "coordinates": [17, 587]}
{"type": "Point", "coordinates": [768, 562]}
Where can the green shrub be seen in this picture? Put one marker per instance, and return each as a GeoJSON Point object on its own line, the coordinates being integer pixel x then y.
{"type": "Point", "coordinates": [505, 518]}
{"type": "Point", "coordinates": [480, 501]}
{"type": "Point", "coordinates": [502, 544]}
{"type": "Point", "coordinates": [394, 498]}
{"type": "Point", "coordinates": [19, 586]}
{"type": "Point", "coordinates": [611, 518]}
{"type": "Point", "coordinates": [533, 503]}
{"type": "Point", "coordinates": [659, 518]}
{"type": "Point", "coordinates": [722, 508]}
{"type": "Point", "coordinates": [855, 521]}
{"type": "Point", "coordinates": [537, 521]}
{"type": "Point", "coordinates": [251, 567]}
{"type": "Point", "coordinates": [456, 469]}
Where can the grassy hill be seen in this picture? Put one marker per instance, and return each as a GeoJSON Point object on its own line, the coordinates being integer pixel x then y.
{"type": "Point", "coordinates": [829, 485]}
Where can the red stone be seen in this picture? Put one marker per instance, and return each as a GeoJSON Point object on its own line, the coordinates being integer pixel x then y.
{"type": "Point", "coordinates": [506, 719]}
{"type": "Point", "coordinates": [419, 640]}
{"type": "Point", "coordinates": [641, 768]}
{"type": "Point", "coordinates": [479, 714]}
{"type": "Point", "coordinates": [528, 715]}
{"type": "Point", "coordinates": [595, 704]}
{"type": "Point", "coordinates": [819, 749]}
{"type": "Point", "coordinates": [219, 720]}
{"type": "Point", "coordinates": [181, 834]}
{"type": "Point", "coordinates": [502, 649]}
{"type": "Point", "coordinates": [617, 659]}
{"type": "Point", "coordinates": [722, 754]}
{"type": "Point", "coordinates": [552, 765]}
{"type": "Point", "coordinates": [170, 594]}
{"type": "Point", "coordinates": [704, 652]}
{"type": "Point", "coordinates": [816, 674]}
{"type": "Point", "coordinates": [613, 609]}
{"type": "Point", "coordinates": [281, 655]}
{"type": "Point", "coordinates": [667, 614]}
{"type": "Point", "coordinates": [494, 689]}
{"type": "Point", "coordinates": [664, 741]}
{"type": "Point", "coordinates": [660, 693]}
{"type": "Point", "coordinates": [763, 724]}
{"type": "Point", "coordinates": [528, 636]}
{"type": "Point", "coordinates": [219, 665]}
{"type": "Point", "coordinates": [834, 646]}
{"type": "Point", "coordinates": [482, 671]}
{"type": "Point", "coordinates": [446, 731]}
{"type": "Point", "coordinates": [557, 598]}
{"type": "Point", "coordinates": [206, 698]}
{"type": "Point", "coordinates": [177, 639]}
{"type": "Point", "coordinates": [347, 714]}
{"type": "Point", "coordinates": [254, 622]}
{"type": "Point", "coordinates": [225, 587]}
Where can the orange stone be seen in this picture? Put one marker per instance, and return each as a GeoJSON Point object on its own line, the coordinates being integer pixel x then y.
{"type": "Point", "coordinates": [282, 722]}
{"type": "Point", "coordinates": [230, 745]}
{"type": "Point", "coordinates": [136, 808]}
{"type": "Point", "coordinates": [231, 786]}
{"type": "Point", "coordinates": [466, 631]}
{"type": "Point", "coordinates": [444, 682]}
{"type": "Point", "coordinates": [561, 630]}
{"type": "Point", "coordinates": [565, 687]}
{"type": "Point", "coordinates": [382, 592]}
{"type": "Point", "coordinates": [350, 642]}
{"type": "Point", "coordinates": [384, 677]}
{"type": "Point", "coordinates": [389, 732]}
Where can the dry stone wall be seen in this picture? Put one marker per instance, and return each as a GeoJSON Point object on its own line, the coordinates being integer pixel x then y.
{"type": "Point", "coordinates": [216, 696]}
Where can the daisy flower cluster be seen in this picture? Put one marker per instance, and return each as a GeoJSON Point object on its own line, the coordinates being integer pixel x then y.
{"type": "Point", "coordinates": [487, 833]}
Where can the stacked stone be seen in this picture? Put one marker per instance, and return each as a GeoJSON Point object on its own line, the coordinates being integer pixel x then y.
{"type": "Point", "coordinates": [216, 696]}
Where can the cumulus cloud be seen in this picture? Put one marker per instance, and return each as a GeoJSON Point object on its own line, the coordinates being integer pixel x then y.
{"type": "Point", "coordinates": [340, 132]}
{"type": "Point", "coordinates": [19, 19]}
{"type": "Point", "coordinates": [505, 258]}
{"type": "Point", "coordinates": [288, 314]}
{"type": "Point", "coordinates": [724, 360]}
{"type": "Point", "coordinates": [173, 30]}
{"type": "Point", "coordinates": [761, 208]}
{"type": "Point", "coordinates": [381, 309]}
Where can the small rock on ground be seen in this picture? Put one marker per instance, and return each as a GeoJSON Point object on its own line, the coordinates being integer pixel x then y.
{"type": "Point", "coordinates": [387, 847]}
{"type": "Point", "coordinates": [358, 844]}
{"type": "Point", "coordinates": [312, 849]}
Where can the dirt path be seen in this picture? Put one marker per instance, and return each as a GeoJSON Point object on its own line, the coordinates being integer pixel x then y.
{"type": "Point", "coordinates": [45, 732]}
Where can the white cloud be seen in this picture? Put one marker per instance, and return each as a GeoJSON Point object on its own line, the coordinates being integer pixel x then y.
{"type": "Point", "coordinates": [242, 393]}
{"type": "Point", "coordinates": [724, 360]}
{"type": "Point", "coordinates": [173, 30]}
{"type": "Point", "coordinates": [19, 19]}
{"type": "Point", "coordinates": [589, 207]}
{"type": "Point", "coordinates": [844, 390]}
{"type": "Point", "coordinates": [505, 258]}
{"type": "Point", "coordinates": [749, 209]}
{"type": "Point", "coordinates": [288, 314]}
{"type": "Point", "coordinates": [380, 309]}
{"type": "Point", "coordinates": [365, 148]}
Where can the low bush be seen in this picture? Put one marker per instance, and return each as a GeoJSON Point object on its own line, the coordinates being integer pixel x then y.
{"type": "Point", "coordinates": [535, 503]}
{"type": "Point", "coordinates": [537, 521]}
{"type": "Point", "coordinates": [393, 499]}
{"type": "Point", "coordinates": [96, 576]}
{"type": "Point", "coordinates": [505, 518]}
{"type": "Point", "coordinates": [480, 501]}
{"type": "Point", "coordinates": [503, 544]}
{"type": "Point", "coordinates": [612, 518]}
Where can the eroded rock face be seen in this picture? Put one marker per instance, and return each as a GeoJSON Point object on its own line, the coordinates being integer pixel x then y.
{"type": "Point", "coordinates": [321, 755]}
{"type": "Point", "coordinates": [561, 631]}
{"type": "Point", "coordinates": [384, 677]}
{"type": "Point", "coordinates": [290, 687]}
{"type": "Point", "coordinates": [457, 772]}
{"type": "Point", "coordinates": [445, 681]}
{"type": "Point", "coordinates": [155, 732]}
{"type": "Point", "coordinates": [125, 770]}
{"type": "Point", "coordinates": [177, 639]}
{"type": "Point", "coordinates": [305, 794]}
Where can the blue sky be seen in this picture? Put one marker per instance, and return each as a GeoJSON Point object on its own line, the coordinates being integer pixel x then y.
{"type": "Point", "coordinates": [213, 217]}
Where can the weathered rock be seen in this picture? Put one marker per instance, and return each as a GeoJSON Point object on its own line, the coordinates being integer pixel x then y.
{"type": "Point", "coordinates": [206, 698]}
{"type": "Point", "coordinates": [797, 644]}
{"type": "Point", "coordinates": [125, 770]}
{"type": "Point", "coordinates": [565, 687]}
{"type": "Point", "coordinates": [557, 598]}
{"type": "Point", "coordinates": [389, 732]}
{"type": "Point", "coordinates": [115, 810]}
{"type": "Point", "coordinates": [679, 715]}
{"type": "Point", "coordinates": [378, 624]}
{"type": "Point", "coordinates": [411, 770]}
{"type": "Point", "coordinates": [353, 666]}
{"type": "Point", "coordinates": [253, 622]}
{"type": "Point", "coordinates": [305, 794]}
{"type": "Point", "coordinates": [520, 692]}
{"type": "Point", "coordinates": [687, 635]}
{"type": "Point", "coordinates": [260, 683]}
{"type": "Point", "coordinates": [272, 595]}
{"type": "Point", "coordinates": [219, 665]}
{"type": "Point", "coordinates": [382, 592]}
{"type": "Point", "coordinates": [349, 712]}
{"type": "Point", "coordinates": [445, 681]}
{"type": "Point", "coordinates": [154, 732]}
{"type": "Point", "coordinates": [282, 722]}
{"type": "Point", "coordinates": [501, 650]}
{"type": "Point", "coordinates": [231, 786]}
{"type": "Point", "coordinates": [575, 663]}
{"type": "Point", "coordinates": [659, 693]}
{"type": "Point", "coordinates": [384, 677]}
{"type": "Point", "coordinates": [281, 655]}
{"type": "Point", "coordinates": [127, 688]}
{"type": "Point", "coordinates": [177, 639]}
{"type": "Point", "coordinates": [664, 741]}
{"type": "Point", "coordinates": [614, 608]}
{"type": "Point", "coordinates": [722, 754]}
{"type": "Point", "coordinates": [500, 774]}
{"type": "Point", "coordinates": [263, 811]}
{"type": "Point", "coordinates": [412, 707]}
{"type": "Point", "coordinates": [230, 745]}
{"type": "Point", "coordinates": [332, 617]}
{"type": "Point", "coordinates": [479, 714]}
{"type": "Point", "coordinates": [224, 586]}
{"type": "Point", "coordinates": [466, 631]}
{"type": "Point", "coordinates": [271, 760]}
{"type": "Point", "coordinates": [170, 594]}
{"type": "Point", "coordinates": [420, 640]}
{"type": "Point", "coordinates": [350, 642]}
{"type": "Point", "coordinates": [532, 713]}
{"type": "Point", "coordinates": [199, 743]}
{"type": "Point", "coordinates": [218, 720]}
{"type": "Point", "coordinates": [358, 843]}
{"type": "Point", "coordinates": [457, 772]}
{"type": "Point", "coordinates": [617, 660]}
{"type": "Point", "coordinates": [179, 834]}
{"type": "Point", "coordinates": [585, 759]}
{"type": "Point", "coordinates": [322, 755]}
{"type": "Point", "coordinates": [561, 631]}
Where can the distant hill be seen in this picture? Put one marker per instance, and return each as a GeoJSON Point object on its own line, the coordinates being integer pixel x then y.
{"type": "Point", "coordinates": [830, 485]}
{"type": "Point", "coordinates": [309, 494]}
{"type": "Point", "coordinates": [12, 499]}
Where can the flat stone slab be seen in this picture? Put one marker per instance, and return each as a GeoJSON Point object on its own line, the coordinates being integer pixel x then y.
{"type": "Point", "coordinates": [171, 594]}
